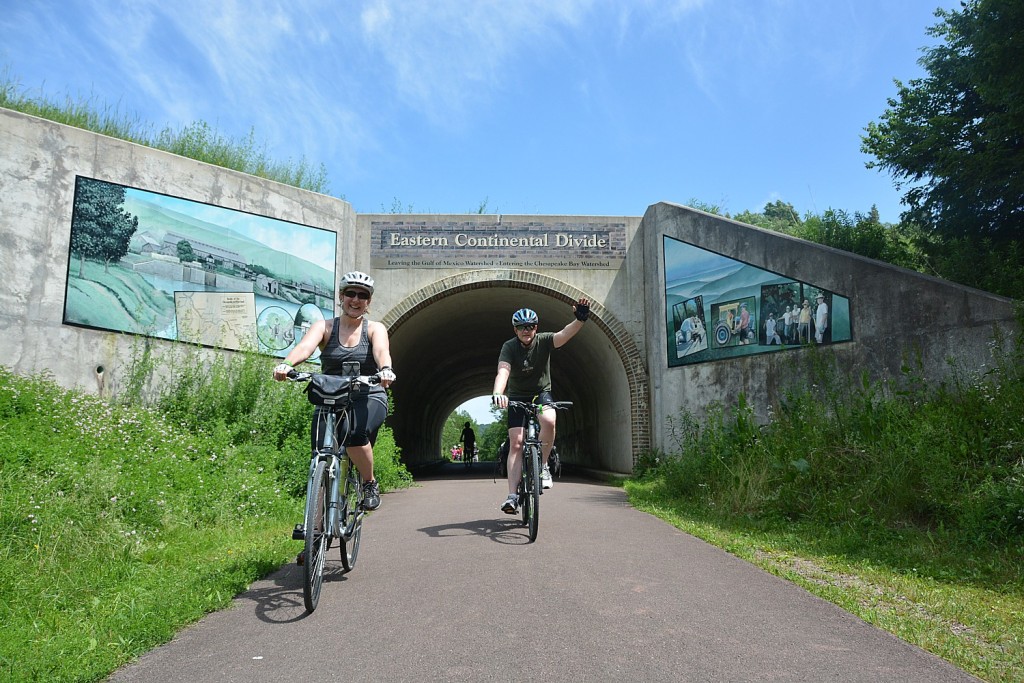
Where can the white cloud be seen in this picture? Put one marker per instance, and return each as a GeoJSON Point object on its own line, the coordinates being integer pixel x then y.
{"type": "Point", "coordinates": [443, 56]}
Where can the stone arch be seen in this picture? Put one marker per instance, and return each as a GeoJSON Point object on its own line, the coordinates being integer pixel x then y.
{"type": "Point", "coordinates": [617, 334]}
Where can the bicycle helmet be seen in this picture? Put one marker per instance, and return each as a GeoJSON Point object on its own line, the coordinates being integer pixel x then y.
{"type": "Point", "coordinates": [357, 279]}
{"type": "Point", "coordinates": [524, 316]}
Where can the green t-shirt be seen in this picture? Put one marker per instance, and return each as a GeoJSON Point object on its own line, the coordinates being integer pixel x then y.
{"type": "Point", "coordinates": [531, 365]}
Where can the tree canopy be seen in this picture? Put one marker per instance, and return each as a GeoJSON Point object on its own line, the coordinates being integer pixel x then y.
{"type": "Point", "coordinates": [954, 140]}
{"type": "Point", "coordinates": [100, 227]}
{"type": "Point", "coordinates": [185, 251]}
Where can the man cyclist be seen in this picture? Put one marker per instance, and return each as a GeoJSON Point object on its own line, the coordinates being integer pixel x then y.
{"type": "Point", "coordinates": [468, 439]}
{"type": "Point", "coordinates": [524, 369]}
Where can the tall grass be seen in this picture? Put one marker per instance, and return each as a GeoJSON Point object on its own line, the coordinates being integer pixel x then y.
{"type": "Point", "coordinates": [903, 502]}
{"type": "Point", "coordinates": [231, 394]}
{"type": "Point", "coordinates": [947, 459]}
{"type": "Point", "coordinates": [196, 140]}
{"type": "Point", "coordinates": [121, 521]}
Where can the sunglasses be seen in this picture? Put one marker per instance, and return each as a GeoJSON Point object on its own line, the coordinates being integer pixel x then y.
{"type": "Point", "coordinates": [353, 294]}
{"type": "Point", "coordinates": [526, 328]}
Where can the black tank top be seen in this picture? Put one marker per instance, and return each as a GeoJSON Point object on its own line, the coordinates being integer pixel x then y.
{"type": "Point", "coordinates": [335, 355]}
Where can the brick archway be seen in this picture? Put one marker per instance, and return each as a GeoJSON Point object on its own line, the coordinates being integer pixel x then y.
{"type": "Point", "coordinates": [611, 327]}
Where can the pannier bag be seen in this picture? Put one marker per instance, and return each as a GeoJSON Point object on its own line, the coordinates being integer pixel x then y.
{"type": "Point", "coordinates": [328, 390]}
{"type": "Point", "coordinates": [554, 462]}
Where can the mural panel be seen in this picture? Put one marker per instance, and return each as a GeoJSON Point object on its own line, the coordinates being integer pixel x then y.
{"type": "Point", "coordinates": [151, 264]}
{"type": "Point", "coordinates": [718, 307]}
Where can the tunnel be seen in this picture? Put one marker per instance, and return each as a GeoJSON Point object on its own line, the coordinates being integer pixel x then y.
{"type": "Point", "coordinates": [445, 341]}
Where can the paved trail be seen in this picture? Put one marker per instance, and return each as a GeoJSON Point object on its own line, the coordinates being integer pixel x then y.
{"type": "Point", "coordinates": [448, 589]}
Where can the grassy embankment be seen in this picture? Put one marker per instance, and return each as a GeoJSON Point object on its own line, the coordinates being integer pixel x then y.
{"type": "Point", "coordinates": [903, 504]}
{"type": "Point", "coordinates": [120, 524]}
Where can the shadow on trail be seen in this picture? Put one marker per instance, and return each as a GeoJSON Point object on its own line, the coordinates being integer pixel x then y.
{"type": "Point", "coordinates": [508, 531]}
{"type": "Point", "coordinates": [282, 602]}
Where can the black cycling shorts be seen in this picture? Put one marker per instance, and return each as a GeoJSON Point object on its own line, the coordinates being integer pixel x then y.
{"type": "Point", "coordinates": [517, 416]}
{"type": "Point", "coordinates": [368, 412]}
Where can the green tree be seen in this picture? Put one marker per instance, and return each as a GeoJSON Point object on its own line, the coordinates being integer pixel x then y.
{"type": "Point", "coordinates": [779, 216]}
{"type": "Point", "coordinates": [489, 442]}
{"type": "Point", "coordinates": [451, 434]}
{"type": "Point", "coordinates": [782, 212]}
{"type": "Point", "coordinates": [185, 251]}
{"type": "Point", "coordinates": [100, 227]}
{"type": "Point", "coordinates": [954, 140]}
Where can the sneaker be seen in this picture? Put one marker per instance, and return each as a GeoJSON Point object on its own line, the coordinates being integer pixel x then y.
{"type": "Point", "coordinates": [545, 477]}
{"type": "Point", "coordinates": [511, 504]}
{"type": "Point", "coordinates": [371, 495]}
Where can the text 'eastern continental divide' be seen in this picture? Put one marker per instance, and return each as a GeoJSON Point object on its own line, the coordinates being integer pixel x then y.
{"type": "Point", "coordinates": [561, 239]}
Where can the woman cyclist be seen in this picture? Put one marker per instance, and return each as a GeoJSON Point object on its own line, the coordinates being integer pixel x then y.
{"type": "Point", "coordinates": [351, 337]}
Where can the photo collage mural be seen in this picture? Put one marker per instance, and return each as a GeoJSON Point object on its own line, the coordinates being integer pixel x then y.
{"type": "Point", "coordinates": [718, 307]}
{"type": "Point", "coordinates": [151, 264]}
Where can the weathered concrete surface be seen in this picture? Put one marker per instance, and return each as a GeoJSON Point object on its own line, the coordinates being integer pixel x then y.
{"type": "Point", "coordinates": [448, 589]}
{"type": "Point", "coordinates": [39, 161]}
{"type": "Point", "coordinates": [447, 325]}
{"type": "Point", "coordinates": [898, 316]}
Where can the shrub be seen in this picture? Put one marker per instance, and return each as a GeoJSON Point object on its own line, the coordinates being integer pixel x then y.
{"type": "Point", "coordinates": [840, 450]}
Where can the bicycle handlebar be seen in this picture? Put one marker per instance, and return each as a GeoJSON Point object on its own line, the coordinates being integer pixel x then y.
{"type": "Point", "coordinates": [368, 380]}
{"type": "Point", "coordinates": [532, 408]}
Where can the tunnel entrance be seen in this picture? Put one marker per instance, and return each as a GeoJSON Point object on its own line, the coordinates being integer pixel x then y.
{"type": "Point", "coordinates": [445, 340]}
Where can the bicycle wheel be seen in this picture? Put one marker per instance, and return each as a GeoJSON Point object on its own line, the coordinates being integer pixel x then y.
{"type": "Point", "coordinates": [317, 536]}
{"type": "Point", "coordinates": [352, 523]}
{"type": "Point", "coordinates": [521, 490]}
{"type": "Point", "coordinates": [531, 484]}
{"type": "Point", "coordinates": [524, 498]}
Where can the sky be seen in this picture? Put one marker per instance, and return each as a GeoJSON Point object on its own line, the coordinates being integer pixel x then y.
{"type": "Point", "coordinates": [554, 107]}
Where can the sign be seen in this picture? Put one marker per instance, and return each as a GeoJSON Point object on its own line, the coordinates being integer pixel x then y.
{"type": "Point", "coordinates": [218, 319]}
{"type": "Point", "coordinates": [140, 262]}
{"type": "Point", "coordinates": [494, 243]}
{"type": "Point", "coordinates": [718, 307]}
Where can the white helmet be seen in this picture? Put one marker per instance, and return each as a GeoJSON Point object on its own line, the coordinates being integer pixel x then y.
{"type": "Point", "coordinates": [357, 279]}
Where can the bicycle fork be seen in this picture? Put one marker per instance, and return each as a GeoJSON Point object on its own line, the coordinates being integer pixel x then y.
{"type": "Point", "coordinates": [337, 473]}
{"type": "Point", "coordinates": [299, 532]}
{"type": "Point", "coordinates": [533, 438]}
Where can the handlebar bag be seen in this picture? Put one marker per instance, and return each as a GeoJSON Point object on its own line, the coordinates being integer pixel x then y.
{"type": "Point", "coordinates": [328, 390]}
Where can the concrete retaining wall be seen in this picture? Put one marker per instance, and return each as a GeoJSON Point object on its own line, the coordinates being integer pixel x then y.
{"type": "Point", "coordinates": [616, 369]}
{"type": "Point", "coordinates": [900, 316]}
{"type": "Point", "coordinates": [39, 161]}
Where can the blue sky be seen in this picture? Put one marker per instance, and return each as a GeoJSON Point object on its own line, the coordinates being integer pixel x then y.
{"type": "Point", "coordinates": [593, 107]}
{"type": "Point", "coordinates": [578, 107]}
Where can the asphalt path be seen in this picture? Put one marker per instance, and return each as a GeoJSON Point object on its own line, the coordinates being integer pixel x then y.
{"type": "Point", "coordinates": [448, 588]}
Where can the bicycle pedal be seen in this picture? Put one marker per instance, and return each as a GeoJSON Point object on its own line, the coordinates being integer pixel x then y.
{"type": "Point", "coordinates": [298, 533]}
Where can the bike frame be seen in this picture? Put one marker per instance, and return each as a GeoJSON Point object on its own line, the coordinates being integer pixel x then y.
{"type": "Point", "coordinates": [338, 464]}
{"type": "Point", "coordinates": [529, 488]}
{"type": "Point", "coordinates": [333, 496]}
{"type": "Point", "coordinates": [530, 479]}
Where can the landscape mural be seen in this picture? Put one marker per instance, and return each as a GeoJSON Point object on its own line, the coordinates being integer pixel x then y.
{"type": "Point", "coordinates": [151, 264]}
{"type": "Point", "coordinates": [718, 307]}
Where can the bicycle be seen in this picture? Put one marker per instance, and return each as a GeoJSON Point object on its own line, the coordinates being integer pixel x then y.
{"type": "Point", "coordinates": [529, 489]}
{"type": "Point", "coordinates": [334, 492]}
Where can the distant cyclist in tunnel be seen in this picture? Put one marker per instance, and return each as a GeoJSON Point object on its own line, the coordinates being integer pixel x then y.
{"type": "Point", "coordinates": [524, 369]}
{"type": "Point", "coordinates": [468, 439]}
